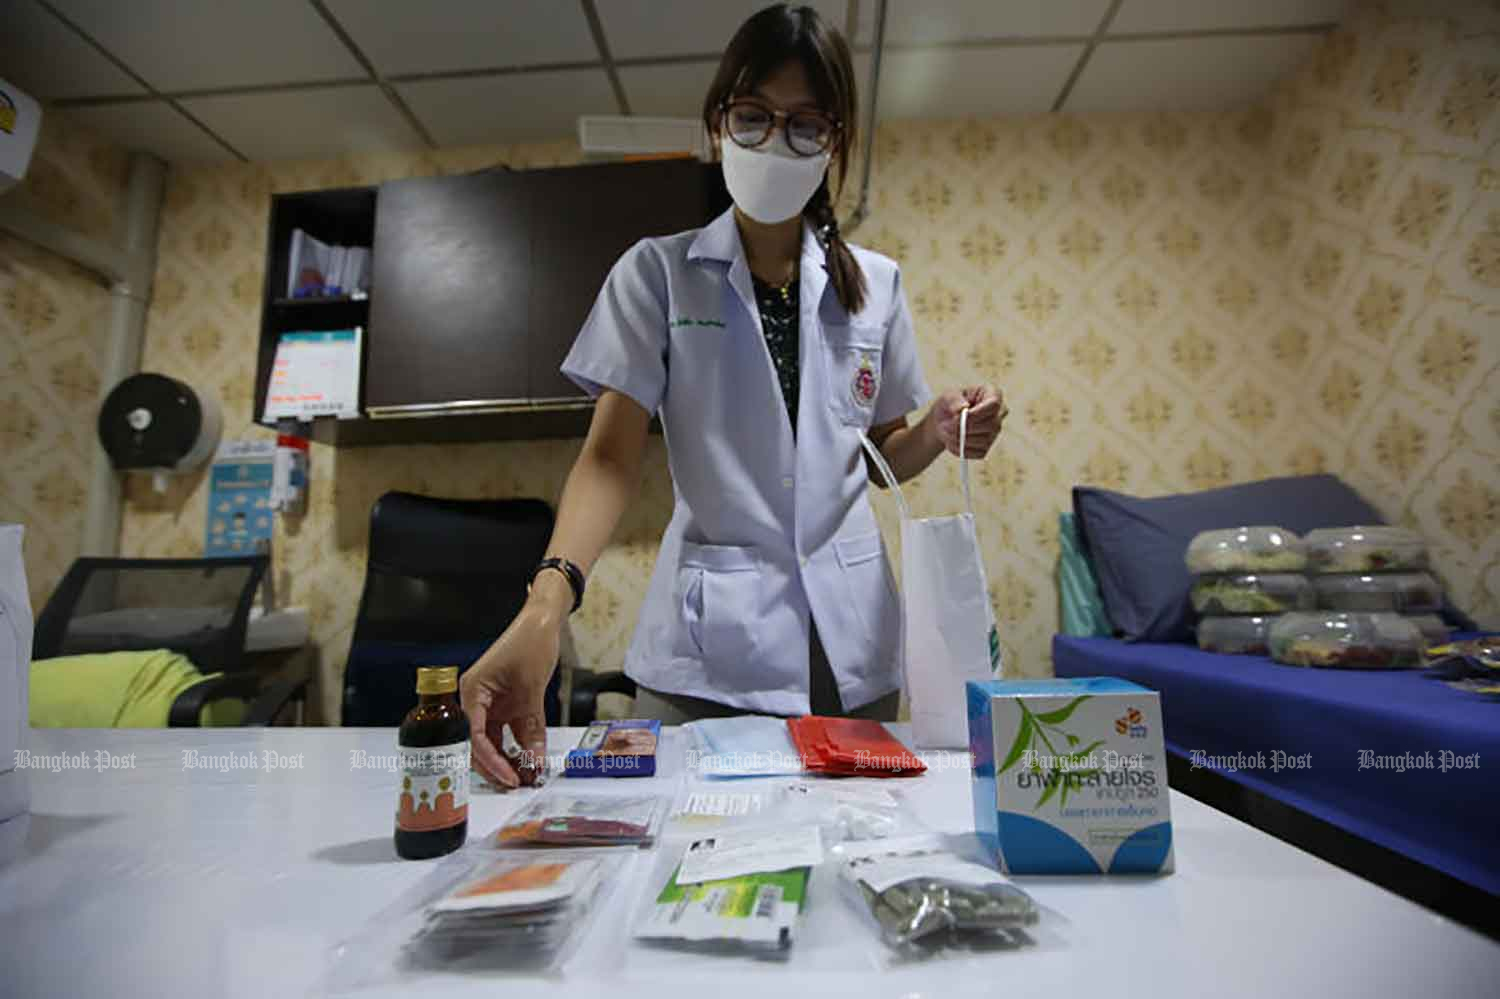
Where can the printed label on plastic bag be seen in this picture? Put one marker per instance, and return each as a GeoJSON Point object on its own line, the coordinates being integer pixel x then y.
{"type": "Point", "coordinates": [718, 857]}
{"type": "Point", "coordinates": [521, 885]}
{"type": "Point", "coordinates": [755, 908]}
{"type": "Point", "coordinates": [725, 805]}
{"type": "Point", "coordinates": [852, 794]}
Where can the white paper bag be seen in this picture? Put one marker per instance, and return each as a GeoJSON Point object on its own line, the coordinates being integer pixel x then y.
{"type": "Point", "coordinates": [15, 673]}
{"type": "Point", "coordinates": [948, 626]}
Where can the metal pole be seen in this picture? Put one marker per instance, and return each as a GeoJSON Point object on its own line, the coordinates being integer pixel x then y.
{"type": "Point", "coordinates": [129, 298]}
{"type": "Point", "coordinates": [862, 209]}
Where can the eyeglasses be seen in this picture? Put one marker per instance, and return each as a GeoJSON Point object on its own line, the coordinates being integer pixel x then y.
{"type": "Point", "coordinates": [749, 123]}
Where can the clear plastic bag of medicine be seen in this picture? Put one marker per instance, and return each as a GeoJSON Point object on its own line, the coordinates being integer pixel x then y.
{"type": "Point", "coordinates": [583, 813]}
{"type": "Point", "coordinates": [483, 913]}
{"type": "Point", "coordinates": [819, 940]}
{"type": "Point", "coordinates": [934, 896]}
{"type": "Point", "coordinates": [851, 809]}
{"type": "Point", "coordinates": [843, 809]}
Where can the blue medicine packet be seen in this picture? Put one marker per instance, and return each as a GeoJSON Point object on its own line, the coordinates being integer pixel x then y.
{"type": "Point", "coordinates": [622, 748]}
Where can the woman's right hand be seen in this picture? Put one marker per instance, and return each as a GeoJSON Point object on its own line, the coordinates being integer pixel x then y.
{"type": "Point", "coordinates": [507, 685]}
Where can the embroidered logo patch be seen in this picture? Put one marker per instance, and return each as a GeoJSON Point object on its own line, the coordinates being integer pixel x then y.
{"type": "Point", "coordinates": [866, 382]}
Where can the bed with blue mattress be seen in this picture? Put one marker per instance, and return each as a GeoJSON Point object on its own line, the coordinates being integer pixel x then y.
{"type": "Point", "coordinates": [1389, 774]}
{"type": "Point", "coordinates": [1393, 757]}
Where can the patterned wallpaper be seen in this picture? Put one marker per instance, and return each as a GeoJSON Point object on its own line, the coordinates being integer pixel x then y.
{"type": "Point", "coordinates": [1171, 302]}
{"type": "Point", "coordinates": [1384, 211]}
{"type": "Point", "coordinates": [52, 325]}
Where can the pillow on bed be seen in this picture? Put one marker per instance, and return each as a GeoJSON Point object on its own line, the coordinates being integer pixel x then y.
{"type": "Point", "coordinates": [1079, 600]}
{"type": "Point", "coordinates": [1137, 545]}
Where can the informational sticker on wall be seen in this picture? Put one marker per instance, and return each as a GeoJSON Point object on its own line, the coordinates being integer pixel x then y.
{"type": "Point", "coordinates": [240, 518]}
{"type": "Point", "coordinates": [315, 374]}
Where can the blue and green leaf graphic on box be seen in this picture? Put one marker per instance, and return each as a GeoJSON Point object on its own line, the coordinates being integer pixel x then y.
{"type": "Point", "coordinates": [1039, 729]}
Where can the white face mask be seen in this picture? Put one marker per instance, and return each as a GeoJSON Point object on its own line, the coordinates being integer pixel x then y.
{"type": "Point", "coordinates": [770, 183]}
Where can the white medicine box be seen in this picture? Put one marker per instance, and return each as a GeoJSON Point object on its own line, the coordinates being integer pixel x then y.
{"type": "Point", "coordinates": [1070, 776]}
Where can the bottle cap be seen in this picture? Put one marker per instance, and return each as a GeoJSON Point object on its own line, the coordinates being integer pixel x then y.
{"type": "Point", "coordinates": [437, 679]}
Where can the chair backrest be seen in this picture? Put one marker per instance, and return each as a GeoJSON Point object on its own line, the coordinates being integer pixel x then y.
{"type": "Point", "coordinates": [445, 578]}
{"type": "Point", "coordinates": [199, 607]}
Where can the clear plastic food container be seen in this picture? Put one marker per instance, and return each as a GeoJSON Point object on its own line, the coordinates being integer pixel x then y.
{"type": "Point", "coordinates": [1401, 592]}
{"type": "Point", "coordinates": [1434, 629]}
{"type": "Point", "coordinates": [1252, 593]}
{"type": "Point", "coordinates": [1341, 639]}
{"type": "Point", "coordinates": [1246, 549]}
{"type": "Point", "coordinates": [1364, 549]}
{"type": "Point", "coordinates": [1236, 636]}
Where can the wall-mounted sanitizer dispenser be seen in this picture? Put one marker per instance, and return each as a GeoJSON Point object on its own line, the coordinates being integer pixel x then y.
{"type": "Point", "coordinates": [20, 123]}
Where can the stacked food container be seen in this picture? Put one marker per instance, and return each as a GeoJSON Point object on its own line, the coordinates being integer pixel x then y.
{"type": "Point", "coordinates": [1377, 605]}
{"type": "Point", "coordinates": [1244, 579]}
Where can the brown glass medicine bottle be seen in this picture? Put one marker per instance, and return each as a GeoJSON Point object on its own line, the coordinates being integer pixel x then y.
{"type": "Point", "coordinates": [432, 812]}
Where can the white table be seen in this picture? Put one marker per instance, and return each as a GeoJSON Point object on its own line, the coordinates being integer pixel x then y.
{"type": "Point", "coordinates": [158, 881]}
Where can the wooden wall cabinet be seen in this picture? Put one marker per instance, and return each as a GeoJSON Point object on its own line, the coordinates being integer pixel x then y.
{"type": "Point", "coordinates": [481, 283]}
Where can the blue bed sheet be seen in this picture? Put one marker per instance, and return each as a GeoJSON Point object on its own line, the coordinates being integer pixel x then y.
{"type": "Point", "coordinates": [1237, 712]}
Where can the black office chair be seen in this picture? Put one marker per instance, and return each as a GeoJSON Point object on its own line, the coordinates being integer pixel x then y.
{"type": "Point", "coordinates": [445, 578]}
{"type": "Point", "coordinates": [199, 608]}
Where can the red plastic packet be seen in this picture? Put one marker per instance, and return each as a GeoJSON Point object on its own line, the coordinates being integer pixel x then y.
{"type": "Point", "coordinates": [851, 747]}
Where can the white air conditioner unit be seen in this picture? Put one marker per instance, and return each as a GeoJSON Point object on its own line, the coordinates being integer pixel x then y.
{"type": "Point", "coordinates": [20, 121]}
{"type": "Point", "coordinates": [628, 135]}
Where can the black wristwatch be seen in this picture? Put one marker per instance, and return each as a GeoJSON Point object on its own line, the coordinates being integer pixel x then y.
{"type": "Point", "coordinates": [568, 569]}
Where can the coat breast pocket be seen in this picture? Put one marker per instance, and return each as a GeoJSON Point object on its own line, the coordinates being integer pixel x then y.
{"type": "Point", "coordinates": [854, 372]}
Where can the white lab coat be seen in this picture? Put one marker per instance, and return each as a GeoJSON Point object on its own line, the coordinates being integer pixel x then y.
{"type": "Point", "coordinates": [765, 531]}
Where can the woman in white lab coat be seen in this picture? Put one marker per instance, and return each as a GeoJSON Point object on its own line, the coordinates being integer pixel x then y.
{"type": "Point", "coordinates": [767, 345]}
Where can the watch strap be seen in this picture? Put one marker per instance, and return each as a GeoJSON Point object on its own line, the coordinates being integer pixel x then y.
{"type": "Point", "coordinates": [570, 570]}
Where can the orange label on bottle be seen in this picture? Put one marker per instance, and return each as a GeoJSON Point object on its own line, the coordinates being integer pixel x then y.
{"type": "Point", "coordinates": [434, 787]}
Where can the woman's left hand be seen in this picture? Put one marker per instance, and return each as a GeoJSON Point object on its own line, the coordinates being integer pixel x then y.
{"type": "Point", "coordinates": [987, 414]}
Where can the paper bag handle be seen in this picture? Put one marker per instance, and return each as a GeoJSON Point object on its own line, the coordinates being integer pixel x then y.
{"type": "Point", "coordinates": [889, 476]}
{"type": "Point", "coordinates": [963, 457]}
{"type": "Point", "coordinates": [884, 468]}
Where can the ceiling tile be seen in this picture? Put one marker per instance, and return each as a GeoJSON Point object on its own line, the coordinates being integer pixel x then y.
{"type": "Point", "coordinates": [402, 37]}
{"type": "Point", "coordinates": [640, 28]}
{"type": "Point", "coordinates": [1200, 15]}
{"type": "Point", "coordinates": [48, 60]}
{"type": "Point", "coordinates": [307, 124]}
{"type": "Point", "coordinates": [150, 126]}
{"type": "Point", "coordinates": [178, 45]}
{"type": "Point", "coordinates": [925, 22]}
{"type": "Point", "coordinates": [514, 107]}
{"type": "Point", "coordinates": [958, 83]}
{"type": "Point", "coordinates": [1186, 74]}
{"type": "Point", "coordinates": [674, 90]}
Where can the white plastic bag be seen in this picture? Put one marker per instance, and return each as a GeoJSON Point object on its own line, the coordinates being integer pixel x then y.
{"type": "Point", "coordinates": [948, 625]}
{"type": "Point", "coordinates": [15, 674]}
